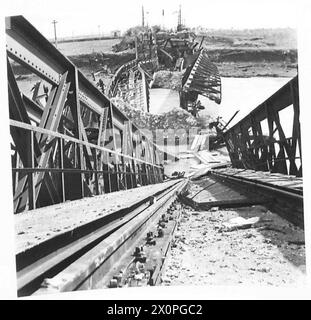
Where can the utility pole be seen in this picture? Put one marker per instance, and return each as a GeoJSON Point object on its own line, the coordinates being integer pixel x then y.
{"type": "Point", "coordinates": [142, 16]}
{"type": "Point", "coordinates": [179, 19]}
{"type": "Point", "coordinates": [136, 48]}
{"type": "Point", "coordinates": [163, 21]}
{"type": "Point", "coordinates": [54, 22]}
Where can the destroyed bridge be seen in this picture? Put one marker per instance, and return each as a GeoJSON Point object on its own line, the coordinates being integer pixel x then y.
{"type": "Point", "coordinates": [72, 146]}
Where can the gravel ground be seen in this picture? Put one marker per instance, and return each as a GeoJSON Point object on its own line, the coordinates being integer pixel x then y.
{"type": "Point", "coordinates": [35, 226]}
{"type": "Point", "coordinates": [272, 252]}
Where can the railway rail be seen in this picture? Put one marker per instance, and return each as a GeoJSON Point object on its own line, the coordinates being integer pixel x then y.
{"type": "Point", "coordinates": [129, 247]}
{"type": "Point", "coordinates": [79, 253]}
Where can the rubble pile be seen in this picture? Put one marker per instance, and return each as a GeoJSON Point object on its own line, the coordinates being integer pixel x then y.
{"type": "Point", "coordinates": [128, 39]}
{"type": "Point", "coordinates": [174, 119]}
{"type": "Point", "coordinates": [168, 80]}
{"type": "Point", "coordinates": [103, 60]}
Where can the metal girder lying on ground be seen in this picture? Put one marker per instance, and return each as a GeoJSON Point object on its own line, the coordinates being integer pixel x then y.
{"type": "Point", "coordinates": [203, 78]}
{"type": "Point", "coordinates": [67, 141]}
{"type": "Point", "coordinates": [269, 138]}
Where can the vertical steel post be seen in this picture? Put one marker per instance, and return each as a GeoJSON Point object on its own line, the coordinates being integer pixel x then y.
{"type": "Point", "coordinates": [108, 173]}
{"type": "Point", "coordinates": [79, 124]}
{"type": "Point", "coordinates": [31, 186]}
{"type": "Point", "coordinates": [55, 36]}
{"type": "Point", "coordinates": [61, 145]}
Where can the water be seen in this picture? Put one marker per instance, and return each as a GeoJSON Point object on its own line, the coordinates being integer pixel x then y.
{"type": "Point", "coordinates": [243, 94]}
{"type": "Point", "coordinates": [163, 100]}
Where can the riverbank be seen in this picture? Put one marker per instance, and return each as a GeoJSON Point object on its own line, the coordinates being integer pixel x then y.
{"type": "Point", "coordinates": [233, 62]}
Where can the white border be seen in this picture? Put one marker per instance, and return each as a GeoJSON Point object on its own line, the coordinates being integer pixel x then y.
{"type": "Point", "coordinates": [7, 260]}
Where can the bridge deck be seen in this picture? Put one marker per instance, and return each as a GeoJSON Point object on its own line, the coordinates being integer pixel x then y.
{"type": "Point", "coordinates": [36, 226]}
{"type": "Point", "coordinates": [287, 182]}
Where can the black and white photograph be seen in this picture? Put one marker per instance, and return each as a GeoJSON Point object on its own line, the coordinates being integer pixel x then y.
{"type": "Point", "coordinates": [155, 149]}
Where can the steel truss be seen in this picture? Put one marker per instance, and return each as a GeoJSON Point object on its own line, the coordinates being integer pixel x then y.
{"type": "Point", "coordinates": [131, 83]}
{"type": "Point", "coordinates": [202, 77]}
{"type": "Point", "coordinates": [69, 141]}
{"type": "Point", "coordinates": [262, 141]}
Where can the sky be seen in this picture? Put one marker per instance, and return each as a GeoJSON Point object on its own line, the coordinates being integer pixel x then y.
{"type": "Point", "coordinates": [76, 17]}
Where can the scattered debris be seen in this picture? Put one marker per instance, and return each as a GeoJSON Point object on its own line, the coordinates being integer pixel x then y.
{"type": "Point", "coordinates": [201, 255]}
{"type": "Point", "coordinates": [239, 223]}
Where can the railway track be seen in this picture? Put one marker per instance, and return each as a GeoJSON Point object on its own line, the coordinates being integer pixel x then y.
{"type": "Point", "coordinates": [128, 247]}
{"type": "Point", "coordinates": [283, 197]}
{"type": "Point", "coordinates": [68, 261]}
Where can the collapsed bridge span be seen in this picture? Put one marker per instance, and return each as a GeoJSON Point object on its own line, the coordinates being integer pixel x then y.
{"type": "Point", "coordinates": [69, 141]}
